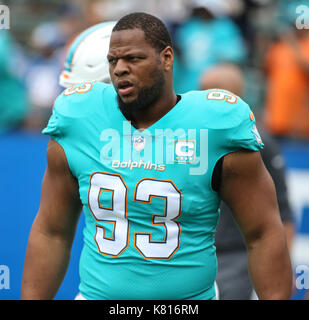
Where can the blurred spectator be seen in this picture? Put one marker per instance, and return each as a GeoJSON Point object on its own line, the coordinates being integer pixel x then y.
{"type": "Point", "coordinates": [233, 278]}
{"type": "Point", "coordinates": [13, 95]}
{"type": "Point", "coordinates": [255, 19]}
{"type": "Point", "coordinates": [206, 38]}
{"type": "Point", "coordinates": [47, 42]}
{"type": "Point", "coordinates": [287, 96]}
{"type": "Point", "coordinates": [115, 9]}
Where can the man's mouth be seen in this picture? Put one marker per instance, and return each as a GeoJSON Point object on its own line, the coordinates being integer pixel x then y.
{"type": "Point", "coordinates": [124, 87]}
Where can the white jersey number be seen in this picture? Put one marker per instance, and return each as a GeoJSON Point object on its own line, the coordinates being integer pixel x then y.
{"type": "Point", "coordinates": [116, 213]}
{"type": "Point", "coordinates": [81, 88]}
{"type": "Point", "coordinates": [222, 95]}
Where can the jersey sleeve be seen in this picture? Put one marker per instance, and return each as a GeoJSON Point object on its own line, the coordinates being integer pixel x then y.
{"type": "Point", "coordinates": [236, 130]}
{"type": "Point", "coordinates": [73, 109]}
{"type": "Point", "coordinates": [231, 124]}
{"type": "Point", "coordinates": [72, 105]}
{"type": "Point", "coordinates": [60, 126]}
{"type": "Point", "coordinates": [245, 135]}
{"type": "Point", "coordinates": [56, 124]}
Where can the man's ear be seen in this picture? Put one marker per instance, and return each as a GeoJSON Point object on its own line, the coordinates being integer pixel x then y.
{"type": "Point", "coordinates": [167, 56]}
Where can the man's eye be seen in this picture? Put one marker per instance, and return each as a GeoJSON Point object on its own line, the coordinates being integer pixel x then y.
{"type": "Point", "coordinates": [134, 58]}
{"type": "Point", "coordinates": [111, 60]}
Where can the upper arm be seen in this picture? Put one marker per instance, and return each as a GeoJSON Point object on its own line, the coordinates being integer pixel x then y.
{"type": "Point", "coordinates": [249, 191]}
{"type": "Point", "coordinates": [60, 204]}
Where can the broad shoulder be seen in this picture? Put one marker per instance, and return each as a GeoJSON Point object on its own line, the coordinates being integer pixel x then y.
{"type": "Point", "coordinates": [220, 109]}
{"type": "Point", "coordinates": [82, 99]}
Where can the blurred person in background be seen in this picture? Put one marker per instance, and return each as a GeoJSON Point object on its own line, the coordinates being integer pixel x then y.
{"type": "Point", "coordinates": [287, 73]}
{"type": "Point", "coordinates": [233, 278]}
{"type": "Point", "coordinates": [13, 94]}
{"type": "Point", "coordinates": [46, 55]}
{"type": "Point", "coordinates": [207, 37]}
{"type": "Point", "coordinates": [45, 61]}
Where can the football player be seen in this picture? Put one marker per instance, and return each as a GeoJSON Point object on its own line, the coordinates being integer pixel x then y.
{"type": "Point", "coordinates": [151, 212]}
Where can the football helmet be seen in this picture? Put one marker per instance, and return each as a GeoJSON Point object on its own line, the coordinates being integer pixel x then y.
{"type": "Point", "coordinates": [86, 57]}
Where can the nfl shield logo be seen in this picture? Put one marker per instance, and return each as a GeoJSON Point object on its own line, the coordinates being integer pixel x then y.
{"type": "Point", "coordinates": [139, 143]}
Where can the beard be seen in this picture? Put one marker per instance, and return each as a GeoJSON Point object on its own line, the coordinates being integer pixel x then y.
{"type": "Point", "coordinates": [147, 96]}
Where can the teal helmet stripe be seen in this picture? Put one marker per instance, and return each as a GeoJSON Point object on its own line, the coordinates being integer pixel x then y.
{"type": "Point", "coordinates": [81, 37]}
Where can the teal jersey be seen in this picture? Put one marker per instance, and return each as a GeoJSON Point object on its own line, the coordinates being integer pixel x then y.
{"type": "Point", "coordinates": [147, 196]}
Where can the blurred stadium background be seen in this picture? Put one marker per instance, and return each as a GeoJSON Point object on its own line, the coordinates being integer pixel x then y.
{"type": "Point", "coordinates": [268, 39]}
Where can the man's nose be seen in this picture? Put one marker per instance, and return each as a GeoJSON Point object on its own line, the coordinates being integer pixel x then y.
{"type": "Point", "coordinates": [121, 68]}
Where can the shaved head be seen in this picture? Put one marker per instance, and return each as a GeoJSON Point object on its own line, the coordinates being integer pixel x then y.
{"type": "Point", "coordinates": [224, 76]}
